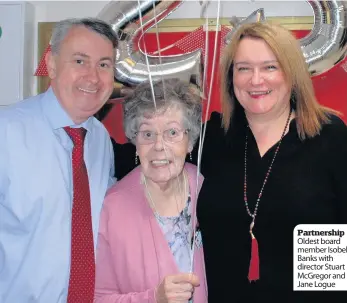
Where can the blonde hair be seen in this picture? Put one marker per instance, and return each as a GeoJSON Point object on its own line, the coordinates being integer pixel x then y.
{"type": "Point", "coordinates": [310, 115]}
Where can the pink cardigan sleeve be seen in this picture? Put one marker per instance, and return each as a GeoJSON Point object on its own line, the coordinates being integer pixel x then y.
{"type": "Point", "coordinates": [106, 288]}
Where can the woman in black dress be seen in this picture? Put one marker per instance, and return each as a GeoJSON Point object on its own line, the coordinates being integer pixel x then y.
{"type": "Point", "coordinates": [276, 158]}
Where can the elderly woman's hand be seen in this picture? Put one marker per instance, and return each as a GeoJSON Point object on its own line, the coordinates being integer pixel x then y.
{"type": "Point", "coordinates": [176, 288]}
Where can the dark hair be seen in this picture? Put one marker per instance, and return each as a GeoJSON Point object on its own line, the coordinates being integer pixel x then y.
{"type": "Point", "coordinates": [62, 28]}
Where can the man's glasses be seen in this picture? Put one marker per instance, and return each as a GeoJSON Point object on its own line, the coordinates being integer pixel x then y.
{"type": "Point", "coordinates": [171, 135]}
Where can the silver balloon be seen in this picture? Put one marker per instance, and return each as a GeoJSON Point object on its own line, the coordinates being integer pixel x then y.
{"type": "Point", "coordinates": [131, 66]}
{"type": "Point", "coordinates": [326, 44]}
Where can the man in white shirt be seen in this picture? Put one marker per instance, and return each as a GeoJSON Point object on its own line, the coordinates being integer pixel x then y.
{"type": "Point", "coordinates": [41, 231]}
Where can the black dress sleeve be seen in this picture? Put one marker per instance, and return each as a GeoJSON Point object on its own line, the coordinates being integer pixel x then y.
{"type": "Point", "coordinates": [212, 142]}
{"type": "Point", "coordinates": [338, 142]}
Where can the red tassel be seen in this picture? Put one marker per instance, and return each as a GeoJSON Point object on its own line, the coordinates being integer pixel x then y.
{"type": "Point", "coordinates": [253, 273]}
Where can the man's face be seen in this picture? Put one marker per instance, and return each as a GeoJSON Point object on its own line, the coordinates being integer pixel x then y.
{"type": "Point", "coordinates": [82, 74]}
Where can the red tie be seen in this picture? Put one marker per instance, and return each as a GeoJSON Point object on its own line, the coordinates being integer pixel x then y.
{"type": "Point", "coordinates": [82, 270]}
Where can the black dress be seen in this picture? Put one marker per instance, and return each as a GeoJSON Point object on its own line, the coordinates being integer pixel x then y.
{"type": "Point", "coordinates": [307, 185]}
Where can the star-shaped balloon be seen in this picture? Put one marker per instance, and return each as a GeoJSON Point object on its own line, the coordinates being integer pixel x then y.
{"type": "Point", "coordinates": [256, 16]}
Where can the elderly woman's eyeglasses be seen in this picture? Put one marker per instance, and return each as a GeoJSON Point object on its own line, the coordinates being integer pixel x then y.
{"type": "Point", "coordinates": [171, 135]}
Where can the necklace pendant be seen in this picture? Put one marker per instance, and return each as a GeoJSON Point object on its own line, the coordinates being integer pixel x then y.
{"type": "Point", "coordinates": [251, 229]}
{"type": "Point", "coordinates": [253, 273]}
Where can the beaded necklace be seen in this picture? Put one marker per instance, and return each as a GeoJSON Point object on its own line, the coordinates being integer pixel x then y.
{"type": "Point", "coordinates": [253, 273]}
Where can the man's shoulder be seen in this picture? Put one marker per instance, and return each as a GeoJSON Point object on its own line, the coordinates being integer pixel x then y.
{"type": "Point", "coordinates": [99, 135]}
{"type": "Point", "coordinates": [98, 126]}
{"type": "Point", "coordinates": [22, 112]}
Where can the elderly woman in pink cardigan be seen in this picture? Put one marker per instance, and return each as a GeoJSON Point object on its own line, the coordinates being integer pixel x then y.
{"type": "Point", "coordinates": [149, 248]}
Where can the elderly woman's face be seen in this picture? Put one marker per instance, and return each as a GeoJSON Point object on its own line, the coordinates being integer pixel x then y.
{"type": "Point", "coordinates": [259, 82]}
{"type": "Point", "coordinates": [162, 145]}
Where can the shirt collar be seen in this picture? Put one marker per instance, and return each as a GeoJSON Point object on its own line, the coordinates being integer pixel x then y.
{"type": "Point", "coordinates": [56, 115]}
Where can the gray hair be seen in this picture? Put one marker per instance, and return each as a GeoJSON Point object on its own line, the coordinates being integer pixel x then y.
{"type": "Point", "coordinates": [167, 93]}
{"type": "Point", "coordinates": [62, 28]}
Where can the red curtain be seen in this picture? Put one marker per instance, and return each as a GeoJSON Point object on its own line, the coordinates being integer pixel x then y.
{"type": "Point", "coordinates": [330, 87]}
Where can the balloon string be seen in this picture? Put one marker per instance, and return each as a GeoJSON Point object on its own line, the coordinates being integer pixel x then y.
{"type": "Point", "coordinates": [150, 77]}
{"type": "Point", "coordinates": [163, 49]}
{"type": "Point", "coordinates": [152, 90]}
{"type": "Point", "coordinates": [146, 56]}
{"type": "Point", "coordinates": [200, 138]}
{"type": "Point", "coordinates": [159, 50]}
{"type": "Point", "coordinates": [180, 187]}
{"type": "Point", "coordinates": [212, 76]}
{"type": "Point", "coordinates": [204, 85]}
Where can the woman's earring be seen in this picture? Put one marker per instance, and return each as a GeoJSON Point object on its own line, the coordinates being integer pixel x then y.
{"type": "Point", "coordinates": [190, 156]}
{"type": "Point", "coordinates": [293, 100]}
{"type": "Point", "coordinates": [136, 160]}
